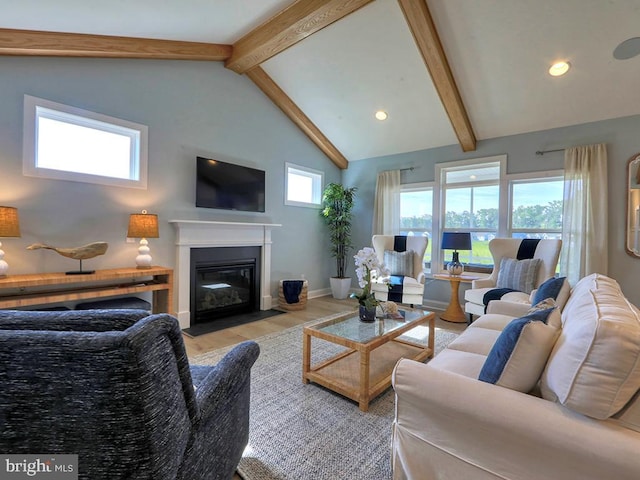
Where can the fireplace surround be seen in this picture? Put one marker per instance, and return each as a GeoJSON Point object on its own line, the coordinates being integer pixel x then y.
{"type": "Point", "coordinates": [195, 234]}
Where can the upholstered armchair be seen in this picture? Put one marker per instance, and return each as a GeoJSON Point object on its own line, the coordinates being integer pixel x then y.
{"type": "Point", "coordinates": [115, 387]}
{"type": "Point", "coordinates": [403, 257]}
{"type": "Point", "coordinates": [524, 274]}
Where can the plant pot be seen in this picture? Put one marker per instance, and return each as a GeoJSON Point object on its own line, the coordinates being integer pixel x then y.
{"type": "Point", "coordinates": [340, 287]}
{"type": "Point", "coordinates": [367, 314]}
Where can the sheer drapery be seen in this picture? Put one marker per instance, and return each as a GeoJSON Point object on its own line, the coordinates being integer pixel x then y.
{"type": "Point", "coordinates": [584, 219]}
{"type": "Point", "coordinates": [386, 207]}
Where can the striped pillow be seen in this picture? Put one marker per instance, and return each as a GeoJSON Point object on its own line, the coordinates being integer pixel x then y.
{"type": "Point", "coordinates": [399, 263]}
{"type": "Point", "coordinates": [518, 275]}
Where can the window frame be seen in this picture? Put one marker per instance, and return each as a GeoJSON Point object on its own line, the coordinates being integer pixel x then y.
{"type": "Point", "coordinates": [530, 177]}
{"type": "Point", "coordinates": [438, 256]}
{"type": "Point", "coordinates": [317, 177]}
{"type": "Point", "coordinates": [419, 187]}
{"type": "Point", "coordinates": [36, 108]}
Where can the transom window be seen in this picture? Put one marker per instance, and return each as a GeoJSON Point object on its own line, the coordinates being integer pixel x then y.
{"type": "Point", "coordinates": [303, 186]}
{"type": "Point", "coordinates": [67, 143]}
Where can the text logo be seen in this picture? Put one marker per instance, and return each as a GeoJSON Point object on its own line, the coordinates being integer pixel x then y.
{"type": "Point", "coordinates": [44, 467]}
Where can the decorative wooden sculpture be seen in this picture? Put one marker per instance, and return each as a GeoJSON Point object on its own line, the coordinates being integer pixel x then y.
{"type": "Point", "coordinates": [77, 253]}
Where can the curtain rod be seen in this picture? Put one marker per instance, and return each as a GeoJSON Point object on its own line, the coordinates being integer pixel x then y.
{"type": "Point", "coordinates": [542, 152]}
{"type": "Point", "coordinates": [408, 168]}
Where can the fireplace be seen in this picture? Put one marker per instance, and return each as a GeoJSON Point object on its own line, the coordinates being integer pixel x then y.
{"type": "Point", "coordinates": [200, 234]}
{"type": "Point", "coordinates": [225, 281]}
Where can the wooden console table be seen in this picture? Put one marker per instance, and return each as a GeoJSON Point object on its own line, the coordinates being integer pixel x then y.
{"type": "Point", "coordinates": [47, 288]}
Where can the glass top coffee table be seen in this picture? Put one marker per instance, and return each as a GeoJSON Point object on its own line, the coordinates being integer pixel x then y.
{"type": "Point", "coordinates": [363, 371]}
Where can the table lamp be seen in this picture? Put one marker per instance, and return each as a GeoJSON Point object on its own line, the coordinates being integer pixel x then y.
{"type": "Point", "coordinates": [9, 227]}
{"type": "Point", "coordinates": [143, 225]}
{"type": "Point", "coordinates": [455, 241]}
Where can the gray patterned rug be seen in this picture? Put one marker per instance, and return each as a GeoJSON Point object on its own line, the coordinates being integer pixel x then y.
{"type": "Point", "coordinates": [300, 431]}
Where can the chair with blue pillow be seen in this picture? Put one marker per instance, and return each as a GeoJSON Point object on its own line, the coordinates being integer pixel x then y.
{"type": "Point", "coordinates": [519, 267]}
{"type": "Point", "coordinates": [403, 256]}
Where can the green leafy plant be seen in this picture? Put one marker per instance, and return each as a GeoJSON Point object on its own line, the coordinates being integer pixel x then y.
{"type": "Point", "coordinates": [337, 203]}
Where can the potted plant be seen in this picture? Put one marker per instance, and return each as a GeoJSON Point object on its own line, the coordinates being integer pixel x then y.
{"type": "Point", "coordinates": [366, 263]}
{"type": "Point", "coordinates": [337, 203]}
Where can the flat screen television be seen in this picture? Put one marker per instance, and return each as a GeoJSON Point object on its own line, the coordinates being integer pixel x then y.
{"type": "Point", "coordinates": [229, 187]}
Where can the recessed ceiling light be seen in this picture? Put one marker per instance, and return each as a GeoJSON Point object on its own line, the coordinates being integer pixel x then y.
{"type": "Point", "coordinates": [559, 68]}
{"type": "Point", "coordinates": [381, 115]}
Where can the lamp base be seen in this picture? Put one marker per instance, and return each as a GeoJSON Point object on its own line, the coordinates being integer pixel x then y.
{"type": "Point", "coordinates": [143, 260]}
{"type": "Point", "coordinates": [455, 267]}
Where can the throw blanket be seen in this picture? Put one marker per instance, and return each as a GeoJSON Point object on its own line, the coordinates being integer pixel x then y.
{"type": "Point", "coordinates": [291, 290]}
{"type": "Point", "coordinates": [495, 294]}
{"type": "Point", "coordinates": [396, 282]}
{"type": "Point", "coordinates": [526, 250]}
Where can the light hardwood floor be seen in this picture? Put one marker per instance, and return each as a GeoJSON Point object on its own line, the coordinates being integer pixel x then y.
{"type": "Point", "coordinates": [316, 308]}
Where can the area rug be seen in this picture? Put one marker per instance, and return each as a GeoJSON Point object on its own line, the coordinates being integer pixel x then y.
{"type": "Point", "coordinates": [300, 431]}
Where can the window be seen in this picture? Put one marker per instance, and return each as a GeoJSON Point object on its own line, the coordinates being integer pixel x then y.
{"type": "Point", "coordinates": [536, 206]}
{"type": "Point", "coordinates": [416, 213]}
{"type": "Point", "coordinates": [68, 143]}
{"type": "Point", "coordinates": [303, 186]}
{"type": "Point", "coordinates": [470, 202]}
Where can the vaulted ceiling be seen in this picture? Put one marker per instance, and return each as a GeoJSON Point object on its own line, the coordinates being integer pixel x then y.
{"type": "Point", "coordinates": [445, 71]}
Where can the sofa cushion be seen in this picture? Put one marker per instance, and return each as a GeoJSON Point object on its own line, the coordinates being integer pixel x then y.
{"type": "Point", "coordinates": [399, 263]}
{"type": "Point", "coordinates": [594, 367]}
{"type": "Point", "coordinates": [548, 289]}
{"type": "Point", "coordinates": [475, 340]}
{"type": "Point", "coordinates": [520, 353]}
{"type": "Point", "coordinates": [554, 319]}
{"type": "Point", "coordinates": [492, 321]}
{"type": "Point", "coordinates": [518, 275]}
{"type": "Point", "coordinates": [459, 361]}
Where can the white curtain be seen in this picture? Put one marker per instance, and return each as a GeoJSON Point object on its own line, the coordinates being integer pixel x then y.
{"type": "Point", "coordinates": [584, 219]}
{"type": "Point", "coordinates": [386, 207]}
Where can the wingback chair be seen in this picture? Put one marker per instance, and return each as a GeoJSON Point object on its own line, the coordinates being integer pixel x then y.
{"type": "Point", "coordinates": [115, 387]}
{"type": "Point", "coordinates": [404, 257]}
{"type": "Point", "coordinates": [547, 250]}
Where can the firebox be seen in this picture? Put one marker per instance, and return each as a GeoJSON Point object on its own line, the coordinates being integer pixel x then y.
{"type": "Point", "coordinates": [225, 282]}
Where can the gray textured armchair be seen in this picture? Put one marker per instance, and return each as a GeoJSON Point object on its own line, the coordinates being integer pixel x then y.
{"type": "Point", "coordinates": [115, 387]}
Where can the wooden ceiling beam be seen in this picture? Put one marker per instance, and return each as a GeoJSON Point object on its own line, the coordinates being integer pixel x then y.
{"type": "Point", "coordinates": [286, 28]}
{"type": "Point", "coordinates": [297, 116]}
{"type": "Point", "coordinates": [55, 44]}
{"type": "Point", "coordinates": [426, 37]}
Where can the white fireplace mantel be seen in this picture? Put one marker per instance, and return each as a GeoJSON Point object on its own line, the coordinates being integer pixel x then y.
{"type": "Point", "coordinates": [196, 233]}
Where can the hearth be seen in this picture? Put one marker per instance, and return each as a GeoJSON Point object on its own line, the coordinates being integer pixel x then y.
{"type": "Point", "coordinates": [225, 282]}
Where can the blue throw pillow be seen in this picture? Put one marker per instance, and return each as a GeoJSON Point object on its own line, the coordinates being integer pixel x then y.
{"type": "Point", "coordinates": [520, 353]}
{"type": "Point", "coordinates": [549, 289]}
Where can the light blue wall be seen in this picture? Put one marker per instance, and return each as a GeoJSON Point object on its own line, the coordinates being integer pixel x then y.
{"type": "Point", "coordinates": [200, 108]}
{"type": "Point", "coordinates": [621, 135]}
{"type": "Point", "coordinates": [191, 109]}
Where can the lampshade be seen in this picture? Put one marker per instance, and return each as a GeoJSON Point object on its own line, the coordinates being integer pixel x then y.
{"type": "Point", "coordinates": [9, 224]}
{"type": "Point", "coordinates": [456, 241]}
{"type": "Point", "coordinates": [143, 225]}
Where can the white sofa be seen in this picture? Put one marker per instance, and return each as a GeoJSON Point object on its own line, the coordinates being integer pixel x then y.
{"type": "Point", "coordinates": [581, 421]}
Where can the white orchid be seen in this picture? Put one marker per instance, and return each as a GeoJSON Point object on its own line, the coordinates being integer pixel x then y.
{"type": "Point", "coordinates": [366, 263]}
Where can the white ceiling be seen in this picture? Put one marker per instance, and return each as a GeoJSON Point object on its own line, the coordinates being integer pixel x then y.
{"type": "Point", "coordinates": [499, 52]}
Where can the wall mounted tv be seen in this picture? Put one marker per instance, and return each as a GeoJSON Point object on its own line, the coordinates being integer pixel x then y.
{"type": "Point", "coordinates": [228, 186]}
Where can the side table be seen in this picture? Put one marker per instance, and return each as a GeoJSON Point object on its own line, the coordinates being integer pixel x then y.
{"type": "Point", "coordinates": [454, 312]}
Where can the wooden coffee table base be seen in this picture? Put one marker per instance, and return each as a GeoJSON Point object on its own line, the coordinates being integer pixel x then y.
{"type": "Point", "coordinates": [363, 372]}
